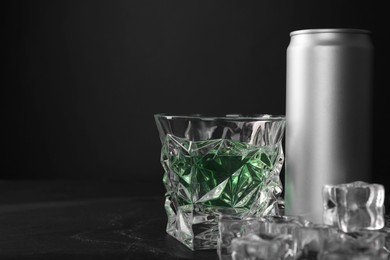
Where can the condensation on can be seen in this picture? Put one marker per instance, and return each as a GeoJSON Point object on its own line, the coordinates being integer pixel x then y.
{"type": "Point", "coordinates": [328, 115]}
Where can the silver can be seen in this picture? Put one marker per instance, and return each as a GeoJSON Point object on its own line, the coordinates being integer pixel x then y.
{"type": "Point", "coordinates": [328, 115]}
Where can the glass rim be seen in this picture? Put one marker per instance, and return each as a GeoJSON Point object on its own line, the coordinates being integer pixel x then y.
{"type": "Point", "coordinates": [230, 117]}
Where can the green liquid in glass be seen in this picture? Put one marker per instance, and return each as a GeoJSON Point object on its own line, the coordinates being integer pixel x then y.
{"type": "Point", "coordinates": [207, 178]}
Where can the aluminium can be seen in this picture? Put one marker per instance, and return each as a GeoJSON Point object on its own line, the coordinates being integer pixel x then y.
{"type": "Point", "coordinates": [328, 115]}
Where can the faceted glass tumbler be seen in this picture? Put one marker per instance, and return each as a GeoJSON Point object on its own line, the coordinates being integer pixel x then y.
{"type": "Point", "coordinates": [217, 165]}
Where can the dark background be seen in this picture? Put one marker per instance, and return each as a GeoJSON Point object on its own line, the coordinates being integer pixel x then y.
{"type": "Point", "coordinates": [82, 79]}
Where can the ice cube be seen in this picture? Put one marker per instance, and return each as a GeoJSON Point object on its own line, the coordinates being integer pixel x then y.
{"type": "Point", "coordinates": [262, 247]}
{"type": "Point", "coordinates": [330, 216]}
{"type": "Point", "coordinates": [230, 227]}
{"type": "Point", "coordinates": [286, 225]}
{"type": "Point", "coordinates": [386, 233]}
{"type": "Point", "coordinates": [312, 239]}
{"type": "Point", "coordinates": [287, 220]}
{"type": "Point", "coordinates": [354, 206]}
{"type": "Point", "coordinates": [355, 246]}
{"type": "Point", "coordinates": [387, 221]}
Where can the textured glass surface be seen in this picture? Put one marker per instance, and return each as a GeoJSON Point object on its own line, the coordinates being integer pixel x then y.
{"type": "Point", "coordinates": [218, 165]}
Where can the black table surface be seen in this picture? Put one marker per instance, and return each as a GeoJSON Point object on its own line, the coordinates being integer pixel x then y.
{"type": "Point", "coordinates": [69, 219]}
{"type": "Point", "coordinates": [66, 219]}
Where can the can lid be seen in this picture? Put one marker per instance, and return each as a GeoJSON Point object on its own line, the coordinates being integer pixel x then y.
{"type": "Point", "coordinates": [330, 30]}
